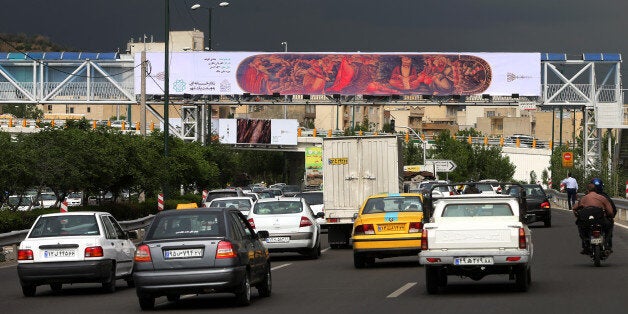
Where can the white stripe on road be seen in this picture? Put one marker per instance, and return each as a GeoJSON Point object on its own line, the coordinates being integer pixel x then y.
{"type": "Point", "coordinates": [401, 290]}
{"type": "Point", "coordinates": [280, 266]}
{"type": "Point", "coordinates": [325, 250]}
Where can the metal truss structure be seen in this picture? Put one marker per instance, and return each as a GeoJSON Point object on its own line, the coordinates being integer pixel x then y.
{"type": "Point", "coordinates": [591, 82]}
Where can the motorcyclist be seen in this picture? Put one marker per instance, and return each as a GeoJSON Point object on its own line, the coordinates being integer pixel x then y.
{"type": "Point", "coordinates": [599, 188]}
{"type": "Point", "coordinates": [592, 200]}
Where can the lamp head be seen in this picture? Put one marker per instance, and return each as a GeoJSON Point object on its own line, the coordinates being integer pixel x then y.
{"type": "Point", "coordinates": [196, 6]}
{"type": "Point", "coordinates": [224, 4]}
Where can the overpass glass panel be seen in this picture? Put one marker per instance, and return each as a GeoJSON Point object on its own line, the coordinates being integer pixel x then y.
{"type": "Point", "coordinates": [52, 56]}
{"type": "Point", "coordinates": [17, 56]}
{"type": "Point", "coordinates": [108, 56]}
{"type": "Point", "coordinates": [70, 55]}
{"type": "Point", "coordinates": [553, 57]}
{"type": "Point", "coordinates": [88, 55]}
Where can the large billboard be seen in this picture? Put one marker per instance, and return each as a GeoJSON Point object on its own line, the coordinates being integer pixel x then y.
{"type": "Point", "coordinates": [258, 131]}
{"type": "Point", "coordinates": [257, 73]}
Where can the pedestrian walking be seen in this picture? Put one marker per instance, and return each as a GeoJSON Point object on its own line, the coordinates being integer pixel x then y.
{"type": "Point", "coordinates": [571, 185]}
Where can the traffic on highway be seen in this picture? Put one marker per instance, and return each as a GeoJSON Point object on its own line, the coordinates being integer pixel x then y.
{"type": "Point", "coordinates": [331, 283]}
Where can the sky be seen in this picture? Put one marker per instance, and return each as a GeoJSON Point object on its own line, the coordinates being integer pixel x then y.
{"type": "Point", "coordinates": [562, 26]}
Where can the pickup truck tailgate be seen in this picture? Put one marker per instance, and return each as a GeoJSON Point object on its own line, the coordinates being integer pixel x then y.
{"type": "Point", "coordinates": [473, 235]}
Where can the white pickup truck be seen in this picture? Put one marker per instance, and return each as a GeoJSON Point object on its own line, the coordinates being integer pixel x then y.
{"type": "Point", "coordinates": [475, 235]}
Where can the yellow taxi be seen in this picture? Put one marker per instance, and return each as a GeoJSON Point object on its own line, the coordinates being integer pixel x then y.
{"type": "Point", "coordinates": [387, 225]}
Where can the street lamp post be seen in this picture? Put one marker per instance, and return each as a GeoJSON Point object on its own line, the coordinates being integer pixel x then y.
{"type": "Point", "coordinates": [209, 28]}
{"type": "Point", "coordinates": [285, 46]}
{"type": "Point", "coordinates": [209, 47]}
{"type": "Point", "coordinates": [423, 143]}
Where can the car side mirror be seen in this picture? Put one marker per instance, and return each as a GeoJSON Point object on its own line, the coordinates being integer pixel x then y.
{"type": "Point", "coordinates": [263, 234]}
{"type": "Point", "coordinates": [355, 216]}
{"type": "Point", "coordinates": [320, 215]}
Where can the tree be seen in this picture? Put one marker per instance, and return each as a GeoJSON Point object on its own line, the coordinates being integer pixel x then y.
{"type": "Point", "coordinates": [474, 162]}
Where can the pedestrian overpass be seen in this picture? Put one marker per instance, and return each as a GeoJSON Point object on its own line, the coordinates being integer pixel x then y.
{"type": "Point", "coordinates": [590, 82]}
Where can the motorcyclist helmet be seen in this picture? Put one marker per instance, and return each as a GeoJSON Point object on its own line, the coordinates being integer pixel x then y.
{"type": "Point", "coordinates": [599, 185]}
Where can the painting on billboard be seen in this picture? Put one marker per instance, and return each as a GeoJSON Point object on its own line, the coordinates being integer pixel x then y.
{"type": "Point", "coordinates": [253, 131]}
{"type": "Point", "coordinates": [258, 131]}
{"type": "Point", "coordinates": [364, 74]}
{"type": "Point", "coordinates": [320, 73]}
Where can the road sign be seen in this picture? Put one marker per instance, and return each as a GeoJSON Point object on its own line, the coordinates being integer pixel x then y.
{"type": "Point", "coordinates": [440, 165]}
{"type": "Point", "coordinates": [412, 168]}
{"type": "Point", "coordinates": [568, 159]}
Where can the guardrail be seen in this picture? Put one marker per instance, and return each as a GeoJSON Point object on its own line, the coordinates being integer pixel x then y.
{"type": "Point", "coordinates": [14, 238]}
{"type": "Point", "coordinates": [621, 203]}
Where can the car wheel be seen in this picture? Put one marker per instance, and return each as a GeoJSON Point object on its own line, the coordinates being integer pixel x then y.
{"type": "Point", "coordinates": [173, 297]}
{"type": "Point", "coordinates": [359, 260]}
{"type": "Point", "coordinates": [243, 296]}
{"type": "Point", "coordinates": [314, 252]}
{"type": "Point", "coordinates": [264, 289]}
{"type": "Point", "coordinates": [110, 284]}
{"type": "Point", "coordinates": [147, 302]}
{"type": "Point", "coordinates": [548, 222]}
{"type": "Point", "coordinates": [435, 279]}
{"type": "Point", "coordinates": [55, 287]}
{"type": "Point", "coordinates": [522, 278]}
{"type": "Point", "coordinates": [29, 290]}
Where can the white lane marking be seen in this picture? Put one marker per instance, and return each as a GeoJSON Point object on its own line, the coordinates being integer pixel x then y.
{"type": "Point", "coordinates": [325, 250]}
{"type": "Point", "coordinates": [280, 266]}
{"type": "Point", "coordinates": [401, 290]}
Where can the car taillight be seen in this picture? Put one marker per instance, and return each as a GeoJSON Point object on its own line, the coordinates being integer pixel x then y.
{"type": "Point", "coordinates": [94, 251]}
{"type": "Point", "coordinates": [252, 223]}
{"type": "Point", "coordinates": [513, 258]}
{"type": "Point", "coordinates": [225, 250]}
{"type": "Point", "coordinates": [415, 227]}
{"type": "Point", "coordinates": [522, 239]}
{"type": "Point", "coordinates": [305, 222]}
{"type": "Point", "coordinates": [332, 220]}
{"type": "Point", "coordinates": [545, 204]}
{"type": "Point", "coordinates": [25, 255]}
{"type": "Point", "coordinates": [142, 254]}
{"type": "Point", "coordinates": [424, 240]}
{"type": "Point", "coordinates": [364, 229]}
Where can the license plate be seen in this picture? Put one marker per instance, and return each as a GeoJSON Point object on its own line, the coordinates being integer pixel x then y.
{"type": "Point", "coordinates": [474, 260]}
{"type": "Point", "coordinates": [278, 240]}
{"type": "Point", "coordinates": [59, 253]}
{"type": "Point", "coordinates": [185, 253]}
{"type": "Point", "coordinates": [391, 227]}
{"type": "Point", "coordinates": [596, 240]}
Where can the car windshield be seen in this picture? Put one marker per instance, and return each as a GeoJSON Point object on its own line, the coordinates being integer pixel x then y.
{"type": "Point", "coordinates": [472, 210]}
{"type": "Point", "coordinates": [187, 225]}
{"type": "Point", "coordinates": [244, 205]}
{"type": "Point", "coordinates": [66, 225]}
{"type": "Point", "coordinates": [214, 195]}
{"type": "Point", "coordinates": [393, 204]}
{"type": "Point", "coordinates": [534, 191]}
{"type": "Point", "coordinates": [22, 201]}
{"type": "Point", "coordinates": [278, 208]}
{"type": "Point", "coordinates": [291, 188]}
{"type": "Point", "coordinates": [312, 198]}
{"type": "Point", "coordinates": [48, 197]}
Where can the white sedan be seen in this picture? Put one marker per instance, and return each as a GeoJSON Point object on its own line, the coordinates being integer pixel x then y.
{"type": "Point", "coordinates": [291, 224]}
{"type": "Point", "coordinates": [77, 247]}
{"type": "Point", "coordinates": [241, 203]}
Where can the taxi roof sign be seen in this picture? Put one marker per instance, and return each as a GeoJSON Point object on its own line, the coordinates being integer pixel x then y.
{"type": "Point", "coordinates": [187, 206]}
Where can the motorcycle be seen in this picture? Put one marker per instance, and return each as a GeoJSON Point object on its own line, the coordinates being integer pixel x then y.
{"type": "Point", "coordinates": [597, 246]}
{"type": "Point", "coordinates": [591, 222]}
